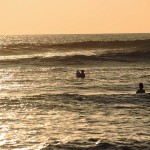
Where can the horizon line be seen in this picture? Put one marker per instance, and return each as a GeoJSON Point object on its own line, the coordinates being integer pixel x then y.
{"type": "Point", "coordinates": [74, 33]}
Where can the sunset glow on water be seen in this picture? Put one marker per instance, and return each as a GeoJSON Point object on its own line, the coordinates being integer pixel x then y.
{"type": "Point", "coordinates": [44, 106]}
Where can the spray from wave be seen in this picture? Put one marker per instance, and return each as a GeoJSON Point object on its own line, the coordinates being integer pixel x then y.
{"type": "Point", "coordinates": [75, 52]}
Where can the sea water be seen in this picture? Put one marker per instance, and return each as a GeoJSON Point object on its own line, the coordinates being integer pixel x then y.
{"type": "Point", "coordinates": [44, 106]}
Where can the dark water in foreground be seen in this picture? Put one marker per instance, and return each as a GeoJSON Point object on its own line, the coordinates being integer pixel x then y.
{"type": "Point", "coordinates": [44, 106]}
{"type": "Point", "coordinates": [72, 121]}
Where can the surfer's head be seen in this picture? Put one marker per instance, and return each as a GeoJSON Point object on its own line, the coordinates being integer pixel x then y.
{"type": "Point", "coordinates": [82, 71]}
{"type": "Point", "coordinates": [141, 85]}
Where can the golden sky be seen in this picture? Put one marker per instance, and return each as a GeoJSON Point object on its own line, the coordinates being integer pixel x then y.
{"type": "Point", "coordinates": [74, 16]}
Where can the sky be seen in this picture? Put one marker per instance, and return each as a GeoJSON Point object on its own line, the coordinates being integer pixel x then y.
{"type": "Point", "coordinates": [74, 16]}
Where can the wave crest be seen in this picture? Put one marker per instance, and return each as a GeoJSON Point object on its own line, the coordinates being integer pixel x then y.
{"type": "Point", "coordinates": [77, 52]}
{"type": "Point", "coordinates": [84, 44]}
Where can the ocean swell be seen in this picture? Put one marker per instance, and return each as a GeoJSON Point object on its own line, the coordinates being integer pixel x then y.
{"type": "Point", "coordinates": [121, 56]}
{"type": "Point", "coordinates": [105, 44]}
{"type": "Point", "coordinates": [76, 45]}
{"type": "Point", "coordinates": [76, 52]}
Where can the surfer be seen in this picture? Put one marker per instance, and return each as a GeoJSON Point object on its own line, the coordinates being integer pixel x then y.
{"type": "Point", "coordinates": [80, 74]}
{"type": "Point", "coordinates": [140, 90]}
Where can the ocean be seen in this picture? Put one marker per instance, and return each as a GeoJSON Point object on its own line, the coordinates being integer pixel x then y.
{"type": "Point", "coordinates": [43, 106]}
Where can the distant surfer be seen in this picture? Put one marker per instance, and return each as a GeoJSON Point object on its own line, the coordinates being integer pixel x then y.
{"type": "Point", "coordinates": [80, 74]}
{"type": "Point", "coordinates": [140, 90]}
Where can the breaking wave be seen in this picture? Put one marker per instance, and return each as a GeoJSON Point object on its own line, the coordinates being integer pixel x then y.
{"type": "Point", "coordinates": [75, 52]}
{"type": "Point", "coordinates": [71, 58]}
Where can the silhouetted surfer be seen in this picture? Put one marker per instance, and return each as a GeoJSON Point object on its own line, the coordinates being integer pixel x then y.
{"type": "Point", "coordinates": [80, 74]}
{"type": "Point", "coordinates": [140, 90]}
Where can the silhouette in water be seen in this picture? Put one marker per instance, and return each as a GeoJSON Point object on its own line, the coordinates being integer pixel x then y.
{"type": "Point", "coordinates": [140, 90]}
{"type": "Point", "coordinates": [80, 74]}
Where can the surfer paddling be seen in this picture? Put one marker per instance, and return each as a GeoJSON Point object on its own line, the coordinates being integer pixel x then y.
{"type": "Point", "coordinates": [80, 74]}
